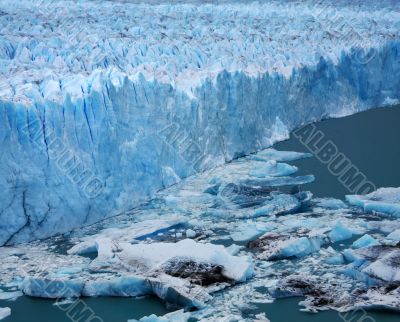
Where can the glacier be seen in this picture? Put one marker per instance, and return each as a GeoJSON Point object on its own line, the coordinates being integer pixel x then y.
{"type": "Point", "coordinates": [104, 103]}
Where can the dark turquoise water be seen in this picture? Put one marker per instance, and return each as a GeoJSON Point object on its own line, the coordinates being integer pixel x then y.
{"type": "Point", "coordinates": [108, 309]}
{"type": "Point", "coordinates": [371, 140]}
{"type": "Point", "coordinates": [287, 310]}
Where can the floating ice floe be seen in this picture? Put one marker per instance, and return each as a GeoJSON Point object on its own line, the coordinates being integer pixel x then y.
{"type": "Point", "coordinates": [330, 203]}
{"type": "Point", "coordinates": [134, 231]}
{"type": "Point", "coordinates": [274, 248]}
{"type": "Point", "coordinates": [269, 155]}
{"type": "Point", "coordinates": [4, 312]}
{"type": "Point", "coordinates": [272, 169]}
{"type": "Point", "coordinates": [383, 200]}
{"type": "Point", "coordinates": [10, 295]}
{"type": "Point", "coordinates": [395, 235]}
{"type": "Point", "coordinates": [278, 181]}
{"type": "Point", "coordinates": [177, 316]}
{"type": "Point", "coordinates": [178, 272]}
{"type": "Point", "coordinates": [340, 233]}
{"type": "Point", "coordinates": [174, 256]}
{"type": "Point", "coordinates": [365, 241]}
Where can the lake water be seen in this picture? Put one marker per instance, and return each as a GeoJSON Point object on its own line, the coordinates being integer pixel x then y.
{"type": "Point", "coordinates": [369, 139]}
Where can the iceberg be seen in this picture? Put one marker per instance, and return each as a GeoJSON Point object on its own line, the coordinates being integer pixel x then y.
{"type": "Point", "coordinates": [297, 247]}
{"type": "Point", "coordinates": [384, 201]}
{"type": "Point", "coordinates": [340, 233]}
{"type": "Point", "coordinates": [249, 230]}
{"type": "Point", "coordinates": [365, 241]}
{"type": "Point", "coordinates": [395, 235]}
{"type": "Point", "coordinates": [279, 204]}
{"type": "Point", "coordinates": [278, 181]}
{"type": "Point", "coordinates": [330, 203]}
{"type": "Point", "coordinates": [96, 119]}
{"type": "Point", "coordinates": [170, 257]}
{"type": "Point", "coordinates": [183, 274]}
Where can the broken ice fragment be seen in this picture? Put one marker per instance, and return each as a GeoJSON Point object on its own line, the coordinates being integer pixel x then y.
{"type": "Point", "coordinates": [177, 316]}
{"type": "Point", "coordinates": [278, 181]}
{"type": "Point", "coordinates": [330, 203]}
{"type": "Point", "coordinates": [282, 156]}
{"type": "Point", "coordinates": [4, 312]}
{"type": "Point", "coordinates": [340, 233]}
{"type": "Point", "coordinates": [297, 247]}
{"type": "Point", "coordinates": [52, 288]}
{"type": "Point", "coordinates": [272, 169]}
{"type": "Point", "coordinates": [190, 233]}
{"type": "Point", "coordinates": [383, 200]}
{"type": "Point", "coordinates": [160, 256]}
{"type": "Point", "coordinates": [395, 235]}
{"type": "Point", "coordinates": [278, 204]}
{"type": "Point", "coordinates": [365, 241]}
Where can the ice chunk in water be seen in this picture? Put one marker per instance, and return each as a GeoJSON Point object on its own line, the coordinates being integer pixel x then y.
{"type": "Point", "coordinates": [52, 288]}
{"type": "Point", "coordinates": [250, 230]}
{"type": "Point", "coordinates": [339, 233]}
{"type": "Point", "coordinates": [365, 241]}
{"type": "Point", "coordinates": [383, 200]}
{"type": "Point", "coordinates": [283, 156]}
{"type": "Point", "coordinates": [4, 312]}
{"type": "Point", "coordinates": [177, 316]}
{"type": "Point", "coordinates": [278, 204]}
{"type": "Point", "coordinates": [272, 169]}
{"type": "Point", "coordinates": [395, 235]}
{"type": "Point", "coordinates": [124, 286]}
{"type": "Point", "coordinates": [278, 181]}
{"type": "Point", "coordinates": [330, 203]}
{"type": "Point", "coordinates": [298, 247]}
{"type": "Point", "coordinates": [158, 254]}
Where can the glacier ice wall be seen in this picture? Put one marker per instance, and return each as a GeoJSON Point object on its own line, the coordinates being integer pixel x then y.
{"type": "Point", "coordinates": [178, 89]}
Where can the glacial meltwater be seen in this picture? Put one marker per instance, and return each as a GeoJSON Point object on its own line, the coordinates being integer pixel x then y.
{"type": "Point", "coordinates": [369, 139]}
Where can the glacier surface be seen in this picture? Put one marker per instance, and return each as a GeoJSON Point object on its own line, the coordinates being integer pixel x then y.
{"type": "Point", "coordinates": [104, 103]}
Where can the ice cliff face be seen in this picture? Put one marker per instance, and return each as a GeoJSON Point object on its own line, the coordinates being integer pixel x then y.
{"type": "Point", "coordinates": [103, 103]}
